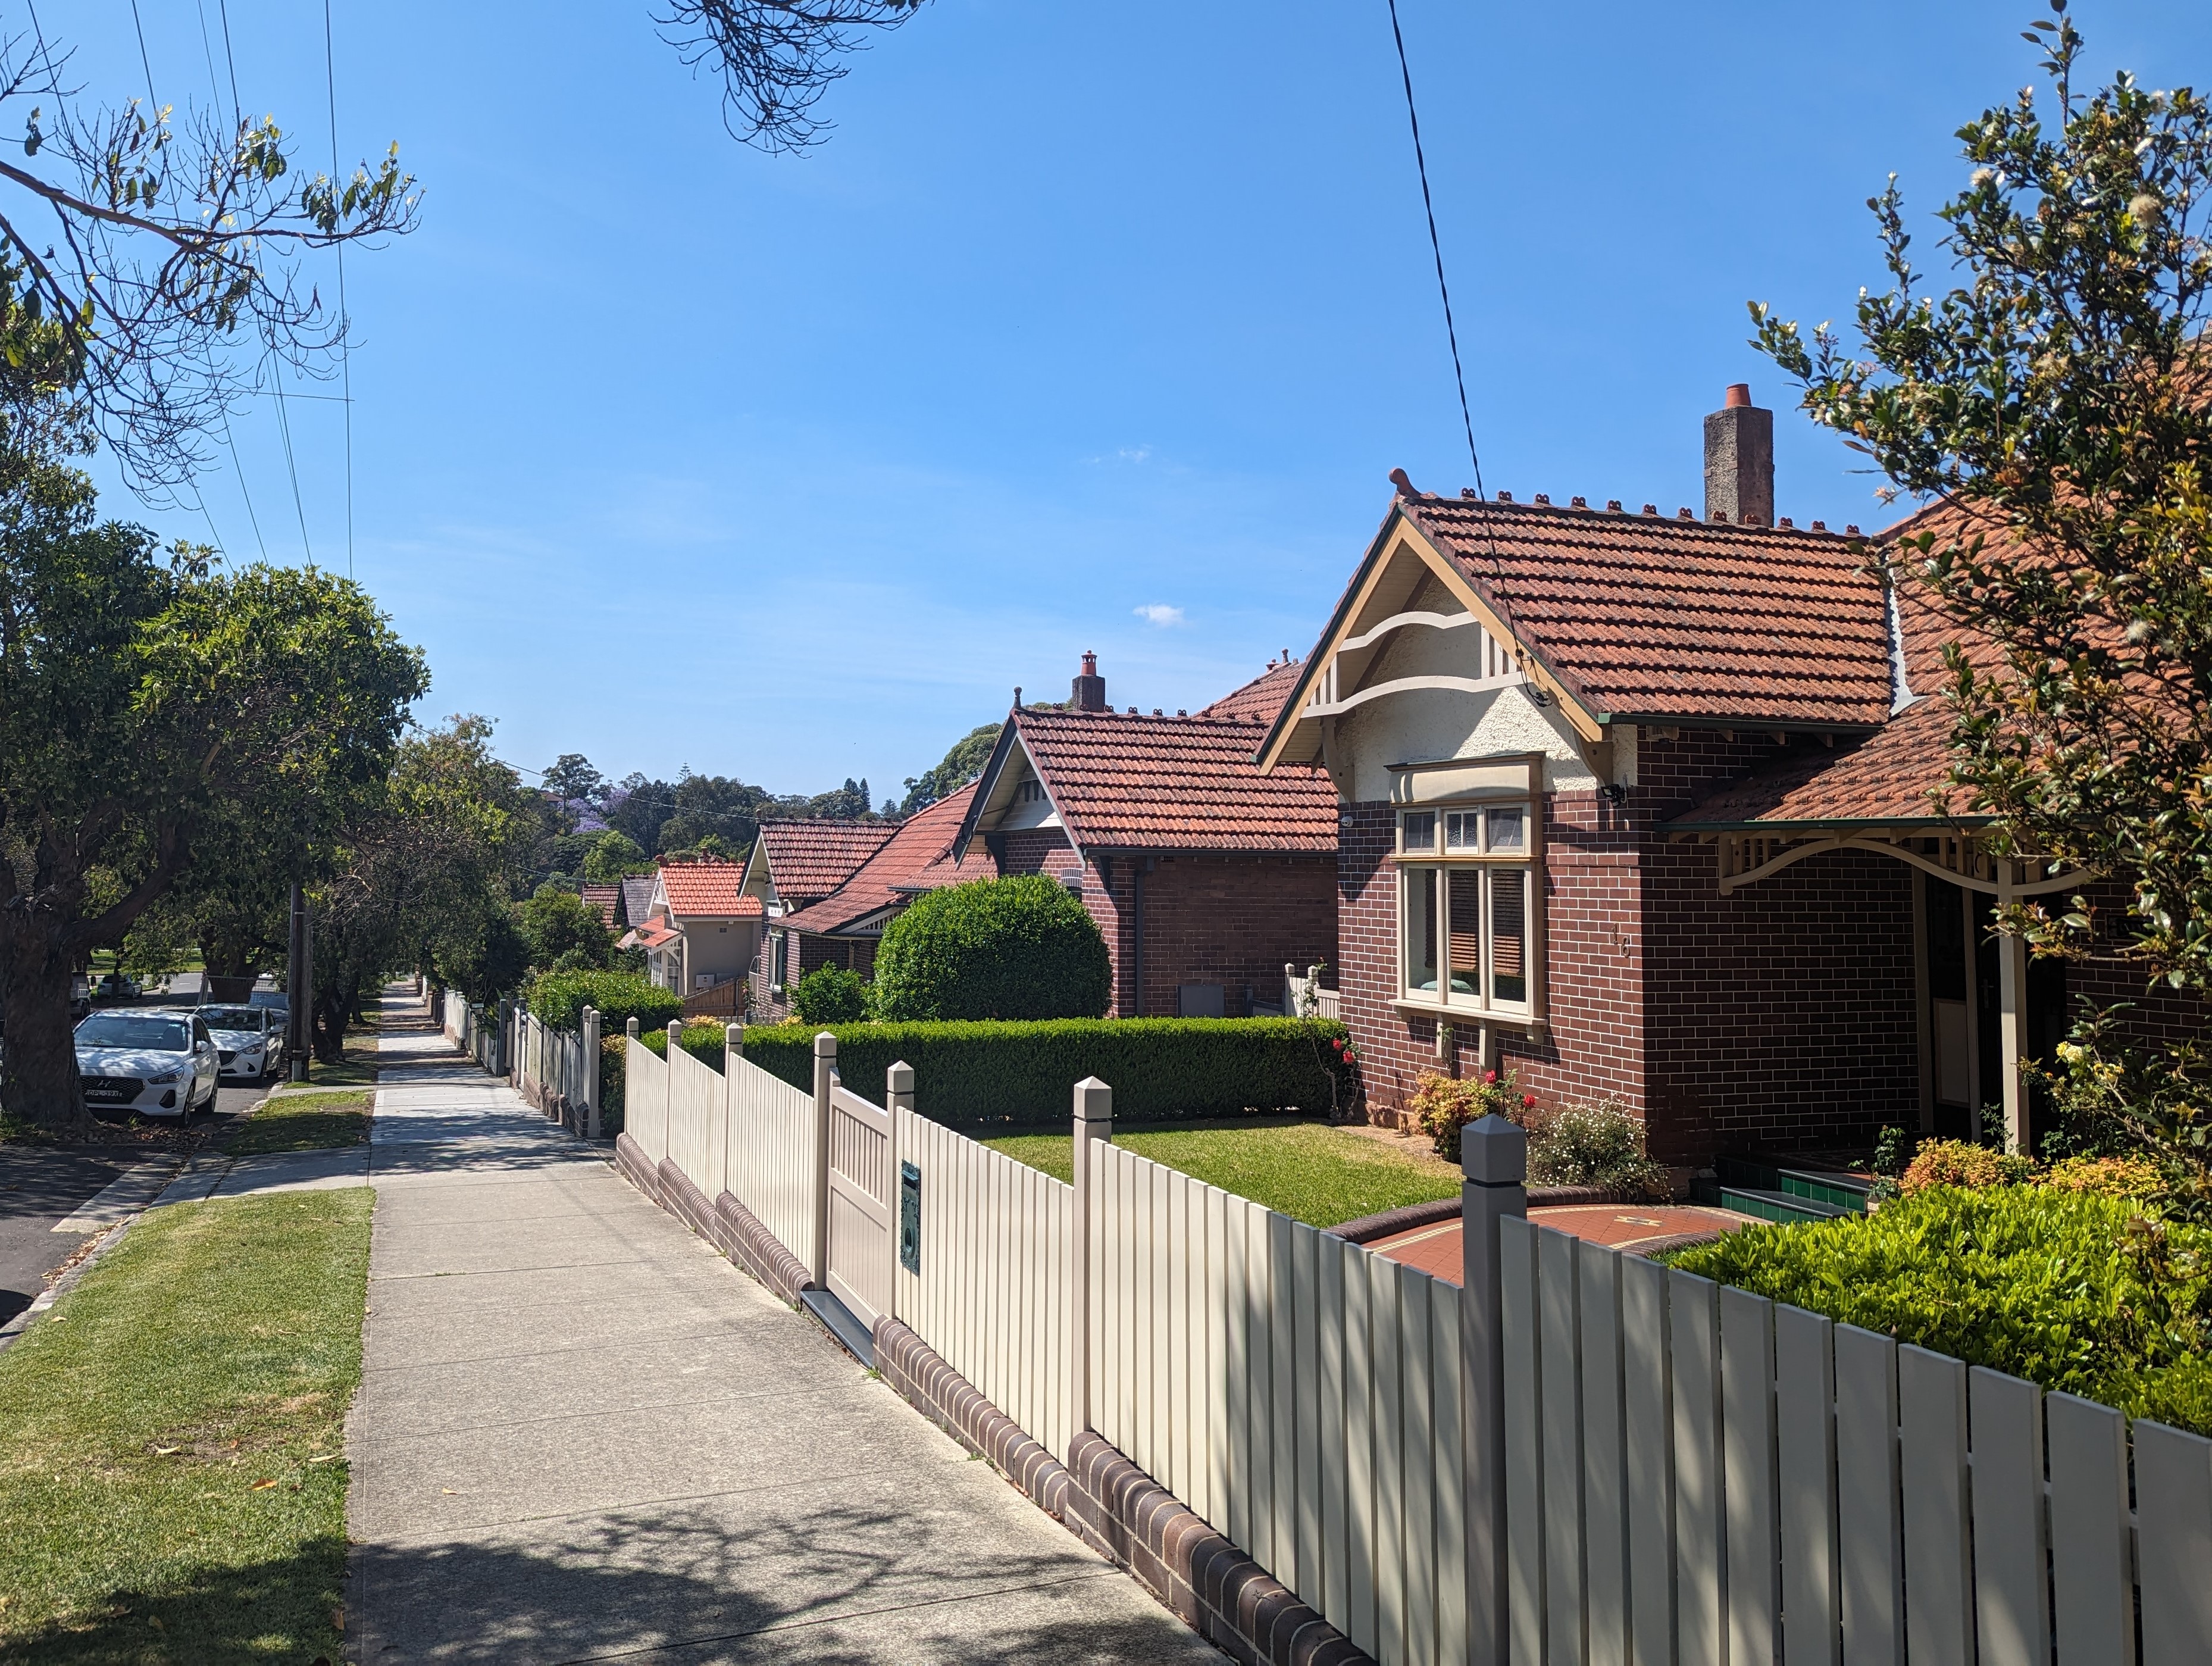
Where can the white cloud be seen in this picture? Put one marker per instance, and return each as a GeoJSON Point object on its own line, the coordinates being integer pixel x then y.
{"type": "Point", "coordinates": [1160, 613]}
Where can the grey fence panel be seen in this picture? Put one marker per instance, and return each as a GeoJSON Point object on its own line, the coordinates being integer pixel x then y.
{"type": "Point", "coordinates": [1754, 1594]}
{"type": "Point", "coordinates": [1559, 1337]}
{"type": "Point", "coordinates": [1939, 1617]}
{"type": "Point", "coordinates": [2173, 1543]}
{"type": "Point", "coordinates": [1605, 1503]}
{"type": "Point", "coordinates": [2012, 1614]}
{"type": "Point", "coordinates": [1647, 1423]}
{"type": "Point", "coordinates": [1805, 1466]}
{"type": "Point", "coordinates": [2094, 1605]}
{"type": "Point", "coordinates": [1869, 1524]}
{"type": "Point", "coordinates": [1524, 1434]}
{"type": "Point", "coordinates": [1700, 1526]}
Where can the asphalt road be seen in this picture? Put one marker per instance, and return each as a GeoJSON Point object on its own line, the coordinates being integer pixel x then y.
{"type": "Point", "coordinates": [40, 1186]}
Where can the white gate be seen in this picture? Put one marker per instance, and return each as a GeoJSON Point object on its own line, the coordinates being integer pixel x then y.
{"type": "Point", "coordinates": [859, 1263]}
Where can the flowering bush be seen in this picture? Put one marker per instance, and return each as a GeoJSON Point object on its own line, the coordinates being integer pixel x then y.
{"type": "Point", "coordinates": [1600, 1145]}
{"type": "Point", "coordinates": [1955, 1163]}
{"type": "Point", "coordinates": [2107, 1177]}
{"type": "Point", "coordinates": [1442, 1107]}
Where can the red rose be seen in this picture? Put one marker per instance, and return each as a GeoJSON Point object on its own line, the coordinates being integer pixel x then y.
{"type": "Point", "coordinates": [1527, 1102]}
{"type": "Point", "coordinates": [1489, 1075]}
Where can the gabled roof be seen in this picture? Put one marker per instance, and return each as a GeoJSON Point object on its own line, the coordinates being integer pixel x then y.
{"type": "Point", "coordinates": [1892, 778]}
{"type": "Point", "coordinates": [915, 847]}
{"type": "Point", "coordinates": [656, 934]}
{"type": "Point", "coordinates": [607, 899]}
{"type": "Point", "coordinates": [1124, 783]}
{"type": "Point", "coordinates": [637, 899]}
{"type": "Point", "coordinates": [708, 888]}
{"type": "Point", "coordinates": [809, 860]}
{"type": "Point", "coordinates": [1260, 699]}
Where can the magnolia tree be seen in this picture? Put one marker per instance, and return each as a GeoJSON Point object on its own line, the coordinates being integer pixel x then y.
{"type": "Point", "coordinates": [2051, 393]}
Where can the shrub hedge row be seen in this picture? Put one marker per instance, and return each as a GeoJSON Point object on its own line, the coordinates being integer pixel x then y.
{"type": "Point", "coordinates": [1014, 1073]}
{"type": "Point", "coordinates": [559, 998]}
{"type": "Point", "coordinates": [703, 1040]}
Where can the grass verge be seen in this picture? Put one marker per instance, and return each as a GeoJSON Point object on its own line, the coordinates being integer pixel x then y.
{"type": "Point", "coordinates": [172, 1480]}
{"type": "Point", "coordinates": [301, 1121]}
{"type": "Point", "coordinates": [1308, 1171]}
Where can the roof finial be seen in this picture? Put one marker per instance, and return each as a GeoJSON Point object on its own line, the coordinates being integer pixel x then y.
{"type": "Point", "coordinates": [1404, 486]}
{"type": "Point", "coordinates": [1018, 696]}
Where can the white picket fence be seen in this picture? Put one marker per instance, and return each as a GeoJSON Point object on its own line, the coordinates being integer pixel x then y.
{"type": "Point", "coordinates": [645, 1099]}
{"type": "Point", "coordinates": [563, 1062]}
{"type": "Point", "coordinates": [769, 1166]}
{"type": "Point", "coordinates": [1696, 1473]}
{"type": "Point", "coordinates": [991, 1294]}
{"type": "Point", "coordinates": [698, 1119]}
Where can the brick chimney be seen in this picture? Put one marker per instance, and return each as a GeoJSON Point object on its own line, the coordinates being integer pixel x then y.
{"type": "Point", "coordinates": [1740, 461]}
{"type": "Point", "coordinates": [1088, 690]}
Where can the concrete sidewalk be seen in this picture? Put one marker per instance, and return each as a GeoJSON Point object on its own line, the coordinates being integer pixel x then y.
{"type": "Point", "coordinates": [581, 1432]}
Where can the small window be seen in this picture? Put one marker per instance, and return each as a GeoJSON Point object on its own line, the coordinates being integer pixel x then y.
{"type": "Point", "coordinates": [1032, 791]}
{"type": "Point", "coordinates": [1462, 830]}
{"type": "Point", "coordinates": [1507, 831]}
{"type": "Point", "coordinates": [1418, 831]}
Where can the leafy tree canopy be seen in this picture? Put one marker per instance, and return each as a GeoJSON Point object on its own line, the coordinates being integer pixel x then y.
{"type": "Point", "coordinates": [958, 767]}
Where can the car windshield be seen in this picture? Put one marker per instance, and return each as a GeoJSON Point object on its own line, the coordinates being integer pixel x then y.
{"type": "Point", "coordinates": [130, 1029]}
{"type": "Point", "coordinates": [231, 1017]}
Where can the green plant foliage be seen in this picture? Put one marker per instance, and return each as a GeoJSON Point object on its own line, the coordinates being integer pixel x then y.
{"type": "Point", "coordinates": [1600, 1145]}
{"type": "Point", "coordinates": [996, 1072]}
{"type": "Point", "coordinates": [612, 1054]}
{"type": "Point", "coordinates": [1443, 1106]}
{"type": "Point", "coordinates": [1019, 948]}
{"type": "Point", "coordinates": [703, 1039]}
{"type": "Point", "coordinates": [559, 998]}
{"type": "Point", "coordinates": [2084, 1294]}
{"type": "Point", "coordinates": [565, 932]}
{"type": "Point", "coordinates": [831, 995]}
{"type": "Point", "coordinates": [614, 855]}
{"type": "Point", "coordinates": [960, 765]}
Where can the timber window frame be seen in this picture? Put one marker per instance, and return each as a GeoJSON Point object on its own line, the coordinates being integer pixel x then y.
{"type": "Point", "coordinates": [1469, 938]}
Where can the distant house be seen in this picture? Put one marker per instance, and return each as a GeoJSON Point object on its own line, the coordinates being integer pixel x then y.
{"type": "Point", "coordinates": [636, 901]}
{"type": "Point", "coordinates": [1205, 876]}
{"type": "Point", "coordinates": [833, 886]}
{"type": "Point", "coordinates": [701, 930]}
{"type": "Point", "coordinates": [606, 901]}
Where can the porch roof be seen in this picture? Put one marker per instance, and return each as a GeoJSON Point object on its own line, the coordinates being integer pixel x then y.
{"type": "Point", "coordinates": [1894, 777]}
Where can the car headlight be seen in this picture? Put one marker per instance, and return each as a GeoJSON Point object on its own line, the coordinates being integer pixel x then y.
{"type": "Point", "coordinates": [160, 1081]}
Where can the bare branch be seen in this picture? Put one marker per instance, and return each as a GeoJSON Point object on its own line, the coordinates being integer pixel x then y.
{"type": "Point", "coordinates": [776, 58]}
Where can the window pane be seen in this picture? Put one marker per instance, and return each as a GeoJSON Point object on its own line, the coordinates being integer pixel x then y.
{"type": "Point", "coordinates": [1462, 831]}
{"type": "Point", "coordinates": [1420, 913]}
{"type": "Point", "coordinates": [1509, 935]}
{"type": "Point", "coordinates": [1464, 922]}
{"type": "Point", "coordinates": [1420, 830]}
{"type": "Point", "coordinates": [1506, 829]}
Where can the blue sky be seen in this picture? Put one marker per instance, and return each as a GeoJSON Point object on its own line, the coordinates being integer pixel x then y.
{"type": "Point", "coordinates": [1089, 327]}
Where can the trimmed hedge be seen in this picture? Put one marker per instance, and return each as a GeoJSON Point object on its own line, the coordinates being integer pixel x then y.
{"type": "Point", "coordinates": [1014, 1073]}
{"type": "Point", "coordinates": [559, 998]}
{"type": "Point", "coordinates": [703, 1040]}
{"type": "Point", "coordinates": [1009, 949]}
{"type": "Point", "coordinates": [831, 995]}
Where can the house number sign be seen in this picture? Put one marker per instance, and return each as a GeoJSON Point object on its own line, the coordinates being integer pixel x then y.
{"type": "Point", "coordinates": [910, 1217]}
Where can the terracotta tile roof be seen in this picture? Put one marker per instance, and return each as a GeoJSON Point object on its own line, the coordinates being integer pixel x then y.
{"type": "Point", "coordinates": [1259, 700]}
{"type": "Point", "coordinates": [656, 935]}
{"type": "Point", "coordinates": [710, 888]}
{"type": "Point", "coordinates": [1888, 777]}
{"type": "Point", "coordinates": [916, 848]}
{"type": "Point", "coordinates": [1650, 616]}
{"type": "Point", "coordinates": [1175, 783]}
{"type": "Point", "coordinates": [607, 899]}
{"type": "Point", "coordinates": [637, 899]}
{"type": "Point", "coordinates": [808, 859]}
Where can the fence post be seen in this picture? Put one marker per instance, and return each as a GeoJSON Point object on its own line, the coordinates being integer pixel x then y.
{"type": "Point", "coordinates": [898, 1096]}
{"type": "Point", "coordinates": [592, 1073]}
{"type": "Point", "coordinates": [733, 1043]}
{"type": "Point", "coordinates": [631, 1029]}
{"type": "Point", "coordinates": [1094, 1120]}
{"type": "Point", "coordinates": [825, 1075]}
{"type": "Point", "coordinates": [1494, 1162]}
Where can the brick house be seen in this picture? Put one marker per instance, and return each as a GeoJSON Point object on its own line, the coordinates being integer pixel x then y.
{"type": "Point", "coordinates": [1206, 877]}
{"type": "Point", "coordinates": [1643, 807]}
{"type": "Point", "coordinates": [701, 930]}
{"type": "Point", "coordinates": [830, 888]}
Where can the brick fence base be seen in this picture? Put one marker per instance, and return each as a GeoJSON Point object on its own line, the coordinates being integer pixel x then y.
{"type": "Point", "coordinates": [726, 1224]}
{"type": "Point", "coordinates": [1126, 1517]}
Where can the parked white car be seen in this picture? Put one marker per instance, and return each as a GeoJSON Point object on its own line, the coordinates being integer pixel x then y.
{"type": "Point", "coordinates": [249, 1040]}
{"type": "Point", "coordinates": [158, 1064]}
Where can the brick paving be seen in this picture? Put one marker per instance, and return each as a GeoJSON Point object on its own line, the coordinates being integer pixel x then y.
{"type": "Point", "coordinates": [1435, 1249]}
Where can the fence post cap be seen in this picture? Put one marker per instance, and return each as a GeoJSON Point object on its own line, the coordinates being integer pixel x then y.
{"type": "Point", "coordinates": [1493, 1152]}
{"type": "Point", "coordinates": [1094, 1101]}
{"type": "Point", "coordinates": [630, 1027]}
{"type": "Point", "coordinates": [899, 1078]}
{"type": "Point", "coordinates": [733, 1035]}
{"type": "Point", "coordinates": [826, 1046]}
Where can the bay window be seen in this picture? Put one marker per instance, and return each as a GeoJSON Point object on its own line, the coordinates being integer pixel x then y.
{"type": "Point", "coordinates": [1466, 908]}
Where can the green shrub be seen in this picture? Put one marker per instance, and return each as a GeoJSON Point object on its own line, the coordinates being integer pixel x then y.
{"type": "Point", "coordinates": [559, 998]}
{"type": "Point", "coordinates": [612, 1057]}
{"type": "Point", "coordinates": [1019, 948]}
{"type": "Point", "coordinates": [565, 933]}
{"type": "Point", "coordinates": [1957, 1163]}
{"type": "Point", "coordinates": [831, 995]}
{"type": "Point", "coordinates": [1599, 1145]}
{"type": "Point", "coordinates": [703, 1039]}
{"type": "Point", "coordinates": [613, 856]}
{"type": "Point", "coordinates": [2083, 1293]}
{"type": "Point", "coordinates": [1443, 1106]}
{"type": "Point", "coordinates": [1022, 1074]}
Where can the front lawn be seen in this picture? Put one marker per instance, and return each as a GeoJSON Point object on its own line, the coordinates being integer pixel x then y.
{"type": "Point", "coordinates": [1311, 1171]}
{"type": "Point", "coordinates": [301, 1121]}
{"type": "Point", "coordinates": [172, 1478]}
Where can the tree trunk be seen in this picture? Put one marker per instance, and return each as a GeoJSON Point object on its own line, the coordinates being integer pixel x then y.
{"type": "Point", "coordinates": [38, 1076]}
{"type": "Point", "coordinates": [332, 1006]}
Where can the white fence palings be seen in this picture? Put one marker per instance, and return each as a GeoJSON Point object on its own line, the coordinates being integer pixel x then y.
{"type": "Point", "coordinates": [2094, 1606]}
{"type": "Point", "coordinates": [645, 1099]}
{"type": "Point", "coordinates": [767, 1153]}
{"type": "Point", "coordinates": [2173, 1542]}
{"type": "Point", "coordinates": [698, 1103]}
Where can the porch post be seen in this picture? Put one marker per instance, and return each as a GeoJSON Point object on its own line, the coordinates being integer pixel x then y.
{"type": "Point", "coordinates": [825, 1077]}
{"type": "Point", "coordinates": [1094, 1120]}
{"type": "Point", "coordinates": [2012, 1023]}
{"type": "Point", "coordinates": [1494, 1162]}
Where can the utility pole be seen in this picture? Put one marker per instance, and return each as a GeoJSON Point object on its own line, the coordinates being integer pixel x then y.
{"type": "Point", "coordinates": [299, 1032]}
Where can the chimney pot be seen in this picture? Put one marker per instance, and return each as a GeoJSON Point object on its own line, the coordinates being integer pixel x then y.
{"type": "Point", "coordinates": [1087, 693]}
{"type": "Point", "coordinates": [1739, 461]}
{"type": "Point", "coordinates": [1505, 497]}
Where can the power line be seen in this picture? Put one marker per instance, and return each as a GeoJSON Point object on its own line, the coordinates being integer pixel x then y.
{"type": "Point", "coordinates": [231, 445]}
{"type": "Point", "coordinates": [291, 463]}
{"type": "Point", "coordinates": [237, 111]}
{"type": "Point", "coordinates": [1435, 244]}
{"type": "Point", "coordinates": [139, 23]}
{"type": "Point", "coordinates": [345, 320]}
